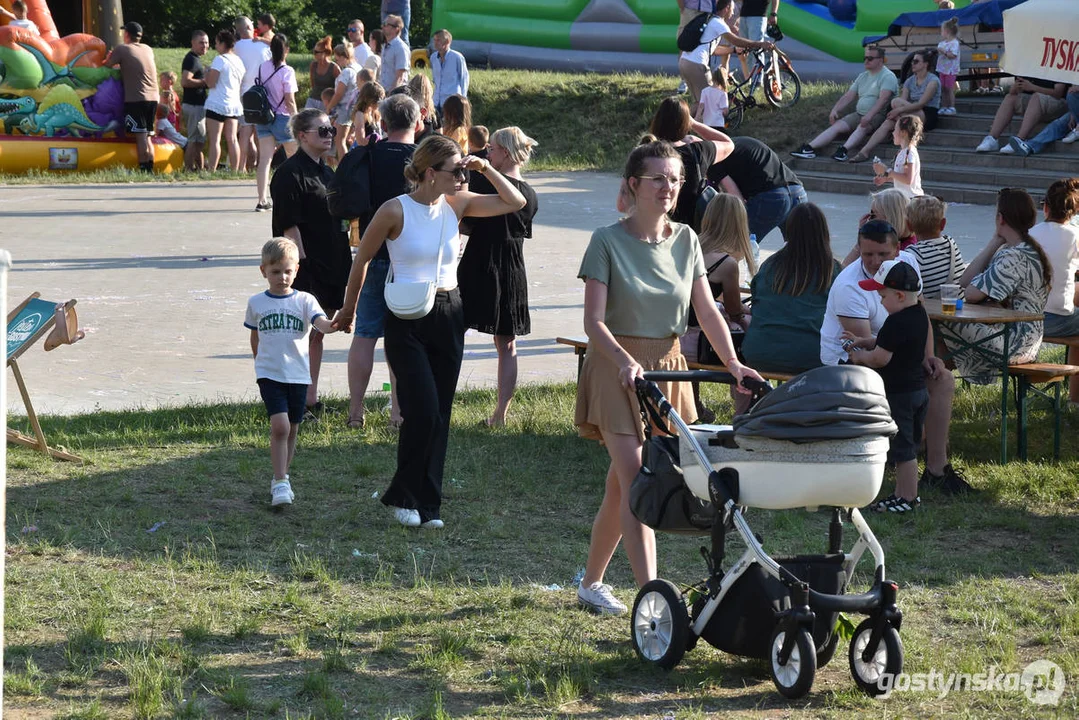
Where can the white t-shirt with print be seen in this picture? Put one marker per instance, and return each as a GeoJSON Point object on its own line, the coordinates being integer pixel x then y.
{"type": "Point", "coordinates": [283, 323]}
{"type": "Point", "coordinates": [712, 32]}
{"type": "Point", "coordinates": [847, 299]}
{"type": "Point", "coordinates": [902, 158]}
{"type": "Point", "coordinates": [1061, 246]}
{"type": "Point", "coordinates": [947, 65]}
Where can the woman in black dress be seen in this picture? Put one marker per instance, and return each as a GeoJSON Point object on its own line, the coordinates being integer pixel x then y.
{"type": "Point", "coordinates": [298, 189]}
{"type": "Point", "coordinates": [491, 275]}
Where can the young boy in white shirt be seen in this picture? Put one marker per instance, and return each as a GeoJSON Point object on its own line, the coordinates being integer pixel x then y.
{"type": "Point", "coordinates": [280, 320]}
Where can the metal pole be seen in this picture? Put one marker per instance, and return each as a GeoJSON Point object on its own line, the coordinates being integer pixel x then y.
{"type": "Point", "coordinates": [5, 265]}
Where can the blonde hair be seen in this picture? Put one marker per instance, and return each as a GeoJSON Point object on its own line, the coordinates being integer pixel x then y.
{"type": "Point", "coordinates": [952, 23]}
{"type": "Point", "coordinates": [725, 228]}
{"type": "Point", "coordinates": [925, 214]}
{"type": "Point", "coordinates": [891, 205]}
{"type": "Point", "coordinates": [422, 91]}
{"type": "Point", "coordinates": [719, 77]}
{"type": "Point", "coordinates": [278, 249]}
{"type": "Point", "coordinates": [516, 144]}
{"type": "Point", "coordinates": [432, 152]}
{"type": "Point", "coordinates": [168, 75]}
{"type": "Point", "coordinates": [344, 50]}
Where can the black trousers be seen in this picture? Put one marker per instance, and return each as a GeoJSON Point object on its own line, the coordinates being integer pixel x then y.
{"type": "Point", "coordinates": [425, 355]}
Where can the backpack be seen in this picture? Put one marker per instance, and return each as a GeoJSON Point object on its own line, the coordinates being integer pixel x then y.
{"type": "Point", "coordinates": [690, 37]}
{"type": "Point", "coordinates": [348, 194]}
{"type": "Point", "coordinates": [256, 102]}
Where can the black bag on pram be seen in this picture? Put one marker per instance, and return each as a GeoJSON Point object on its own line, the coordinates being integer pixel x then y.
{"type": "Point", "coordinates": [658, 496]}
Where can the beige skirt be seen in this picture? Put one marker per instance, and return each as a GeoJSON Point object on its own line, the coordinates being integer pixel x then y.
{"type": "Point", "coordinates": [604, 404]}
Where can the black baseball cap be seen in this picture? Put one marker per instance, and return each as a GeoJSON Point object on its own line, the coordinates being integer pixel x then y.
{"type": "Point", "coordinates": [894, 274]}
{"type": "Point", "coordinates": [133, 29]}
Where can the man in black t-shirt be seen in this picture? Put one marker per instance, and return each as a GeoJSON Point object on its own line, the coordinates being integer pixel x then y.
{"type": "Point", "coordinates": [401, 121]}
{"type": "Point", "coordinates": [897, 353]}
{"type": "Point", "coordinates": [194, 100]}
{"type": "Point", "coordinates": [756, 174]}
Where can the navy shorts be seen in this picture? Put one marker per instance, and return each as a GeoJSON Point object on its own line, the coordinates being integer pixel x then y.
{"type": "Point", "coordinates": [282, 397]}
{"type": "Point", "coordinates": [908, 413]}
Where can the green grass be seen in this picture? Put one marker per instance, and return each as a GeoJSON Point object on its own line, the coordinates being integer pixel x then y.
{"type": "Point", "coordinates": [330, 609]}
{"type": "Point", "coordinates": [582, 121]}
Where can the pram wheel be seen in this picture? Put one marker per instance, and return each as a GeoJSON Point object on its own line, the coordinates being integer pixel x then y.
{"type": "Point", "coordinates": [794, 678]}
{"type": "Point", "coordinates": [660, 624]}
{"type": "Point", "coordinates": [887, 659]}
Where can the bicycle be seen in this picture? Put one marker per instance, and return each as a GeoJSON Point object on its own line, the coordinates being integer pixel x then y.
{"type": "Point", "coordinates": [772, 71]}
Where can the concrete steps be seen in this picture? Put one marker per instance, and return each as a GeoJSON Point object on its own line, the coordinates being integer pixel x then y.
{"type": "Point", "coordinates": [950, 167]}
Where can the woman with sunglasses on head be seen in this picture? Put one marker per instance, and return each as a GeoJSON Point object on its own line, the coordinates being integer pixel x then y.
{"type": "Point", "coordinates": [298, 190]}
{"type": "Point", "coordinates": [641, 276]}
{"type": "Point", "coordinates": [420, 232]}
{"type": "Point", "coordinates": [323, 72]}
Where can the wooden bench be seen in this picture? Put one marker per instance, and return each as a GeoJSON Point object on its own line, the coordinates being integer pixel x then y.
{"type": "Point", "coordinates": [580, 345]}
{"type": "Point", "coordinates": [1027, 377]}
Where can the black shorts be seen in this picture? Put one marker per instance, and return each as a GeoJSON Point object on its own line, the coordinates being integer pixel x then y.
{"type": "Point", "coordinates": [930, 118]}
{"type": "Point", "coordinates": [908, 413]}
{"type": "Point", "coordinates": [140, 117]}
{"type": "Point", "coordinates": [282, 397]}
{"type": "Point", "coordinates": [211, 115]}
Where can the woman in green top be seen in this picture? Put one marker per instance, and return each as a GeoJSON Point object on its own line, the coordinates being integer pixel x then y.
{"type": "Point", "coordinates": [641, 275]}
{"type": "Point", "coordinates": [790, 293]}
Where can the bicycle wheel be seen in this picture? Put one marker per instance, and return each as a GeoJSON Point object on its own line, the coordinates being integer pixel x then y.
{"type": "Point", "coordinates": [734, 115]}
{"type": "Point", "coordinates": [784, 88]}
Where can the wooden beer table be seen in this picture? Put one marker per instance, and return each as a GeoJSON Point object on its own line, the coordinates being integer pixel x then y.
{"type": "Point", "coordinates": [986, 315]}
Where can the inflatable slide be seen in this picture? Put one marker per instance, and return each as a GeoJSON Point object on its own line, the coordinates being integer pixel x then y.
{"type": "Point", "coordinates": [59, 108]}
{"type": "Point", "coordinates": [605, 35]}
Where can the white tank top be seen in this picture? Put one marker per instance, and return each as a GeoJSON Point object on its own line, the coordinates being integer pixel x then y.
{"type": "Point", "coordinates": [414, 253]}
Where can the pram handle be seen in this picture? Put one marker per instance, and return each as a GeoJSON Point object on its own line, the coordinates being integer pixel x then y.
{"type": "Point", "coordinates": [757, 387]}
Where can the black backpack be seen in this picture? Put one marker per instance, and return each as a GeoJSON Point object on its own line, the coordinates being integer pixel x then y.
{"type": "Point", "coordinates": [256, 102]}
{"type": "Point", "coordinates": [348, 195]}
{"type": "Point", "coordinates": [690, 37]}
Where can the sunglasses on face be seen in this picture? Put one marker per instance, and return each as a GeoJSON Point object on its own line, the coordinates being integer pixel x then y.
{"type": "Point", "coordinates": [352, 30]}
{"type": "Point", "coordinates": [458, 173]}
{"type": "Point", "coordinates": [326, 131]}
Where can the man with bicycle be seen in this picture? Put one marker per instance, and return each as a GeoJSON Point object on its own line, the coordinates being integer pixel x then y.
{"type": "Point", "coordinates": [872, 93]}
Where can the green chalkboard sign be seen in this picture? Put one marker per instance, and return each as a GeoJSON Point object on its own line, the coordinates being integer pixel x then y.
{"type": "Point", "coordinates": [28, 324]}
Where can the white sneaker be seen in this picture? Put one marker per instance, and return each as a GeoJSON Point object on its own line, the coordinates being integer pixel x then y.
{"type": "Point", "coordinates": [1070, 137]}
{"type": "Point", "coordinates": [682, 87]}
{"type": "Point", "coordinates": [433, 524]}
{"type": "Point", "coordinates": [281, 494]}
{"type": "Point", "coordinates": [989, 144]}
{"type": "Point", "coordinates": [1007, 150]}
{"type": "Point", "coordinates": [408, 518]}
{"type": "Point", "coordinates": [598, 598]}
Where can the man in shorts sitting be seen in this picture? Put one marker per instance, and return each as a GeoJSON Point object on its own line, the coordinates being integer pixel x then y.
{"type": "Point", "coordinates": [872, 93]}
{"type": "Point", "coordinates": [138, 74]}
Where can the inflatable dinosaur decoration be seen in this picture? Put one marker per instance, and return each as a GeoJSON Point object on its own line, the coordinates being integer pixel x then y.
{"type": "Point", "coordinates": [61, 110]}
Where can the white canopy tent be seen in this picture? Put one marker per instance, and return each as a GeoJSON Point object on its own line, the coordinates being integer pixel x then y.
{"type": "Point", "coordinates": [1041, 39]}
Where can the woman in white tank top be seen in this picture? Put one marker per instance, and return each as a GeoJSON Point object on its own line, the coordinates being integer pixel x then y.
{"type": "Point", "coordinates": [425, 354]}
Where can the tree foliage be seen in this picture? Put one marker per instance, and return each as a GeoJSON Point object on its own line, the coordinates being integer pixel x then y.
{"type": "Point", "coordinates": [169, 23]}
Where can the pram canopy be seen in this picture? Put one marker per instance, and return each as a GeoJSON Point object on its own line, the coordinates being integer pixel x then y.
{"type": "Point", "coordinates": [827, 403]}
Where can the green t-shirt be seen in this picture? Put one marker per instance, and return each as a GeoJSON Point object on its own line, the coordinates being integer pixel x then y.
{"type": "Point", "coordinates": [648, 286]}
{"type": "Point", "coordinates": [869, 87]}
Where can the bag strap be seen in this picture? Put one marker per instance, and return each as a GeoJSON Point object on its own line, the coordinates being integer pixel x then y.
{"type": "Point", "coordinates": [951, 261]}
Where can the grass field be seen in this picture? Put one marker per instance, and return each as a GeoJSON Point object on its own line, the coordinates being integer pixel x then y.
{"type": "Point", "coordinates": [581, 121]}
{"type": "Point", "coordinates": [155, 581]}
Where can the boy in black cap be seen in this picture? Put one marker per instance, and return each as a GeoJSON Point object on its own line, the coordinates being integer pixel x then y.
{"type": "Point", "coordinates": [897, 354]}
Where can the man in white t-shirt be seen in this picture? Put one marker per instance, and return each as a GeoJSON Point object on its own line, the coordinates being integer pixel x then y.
{"type": "Point", "coordinates": [861, 312]}
{"type": "Point", "coordinates": [252, 53]}
{"type": "Point", "coordinates": [361, 51]}
{"type": "Point", "coordinates": [395, 55]}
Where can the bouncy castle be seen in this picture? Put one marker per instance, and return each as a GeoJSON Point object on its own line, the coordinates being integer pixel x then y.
{"type": "Point", "coordinates": [60, 109]}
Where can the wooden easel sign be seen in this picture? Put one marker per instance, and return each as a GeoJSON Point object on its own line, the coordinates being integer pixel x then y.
{"type": "Point", "coordinates": [28, 322]}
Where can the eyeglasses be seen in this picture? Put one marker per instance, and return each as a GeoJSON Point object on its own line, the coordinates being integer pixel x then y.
{"type": "Point", "coordinates": [917, 60]}
{"type": "Point", "coordinates": [326, 131]}
{"type": "Point", "coordinates": [661, 181]}
{"type": "Point", "coordinates": [873, 57]}
{"type": "Point", "coordinates": [458, 173]}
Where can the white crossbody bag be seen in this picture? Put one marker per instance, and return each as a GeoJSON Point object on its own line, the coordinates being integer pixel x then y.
{"type": "Point", "coordinates": [413, 300]}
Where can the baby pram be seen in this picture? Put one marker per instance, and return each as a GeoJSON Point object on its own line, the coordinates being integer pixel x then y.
{"type": "Point", "coordinates": [820, 440]}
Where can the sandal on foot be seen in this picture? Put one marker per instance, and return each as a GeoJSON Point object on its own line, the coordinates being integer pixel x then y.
{"type": "Point", "coordinates": [356, 423]}
{"type": "Point", "coordinates": [859, 158]}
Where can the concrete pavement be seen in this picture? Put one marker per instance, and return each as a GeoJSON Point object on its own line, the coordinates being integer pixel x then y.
{"type": "Point", "coordinates": [162, 273]}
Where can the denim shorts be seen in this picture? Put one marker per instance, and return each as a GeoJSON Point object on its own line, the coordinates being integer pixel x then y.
{"type": "Point", "coordinates": [282, 397]}
{"type": "Point", "coordinates": [278, 128]}
{"type": "Point", "coordinates": [371, 306]}
{"type": "Point", "coordinates": [908, 413]}
{"type": "Point", "coordinates": [1061, 325]}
